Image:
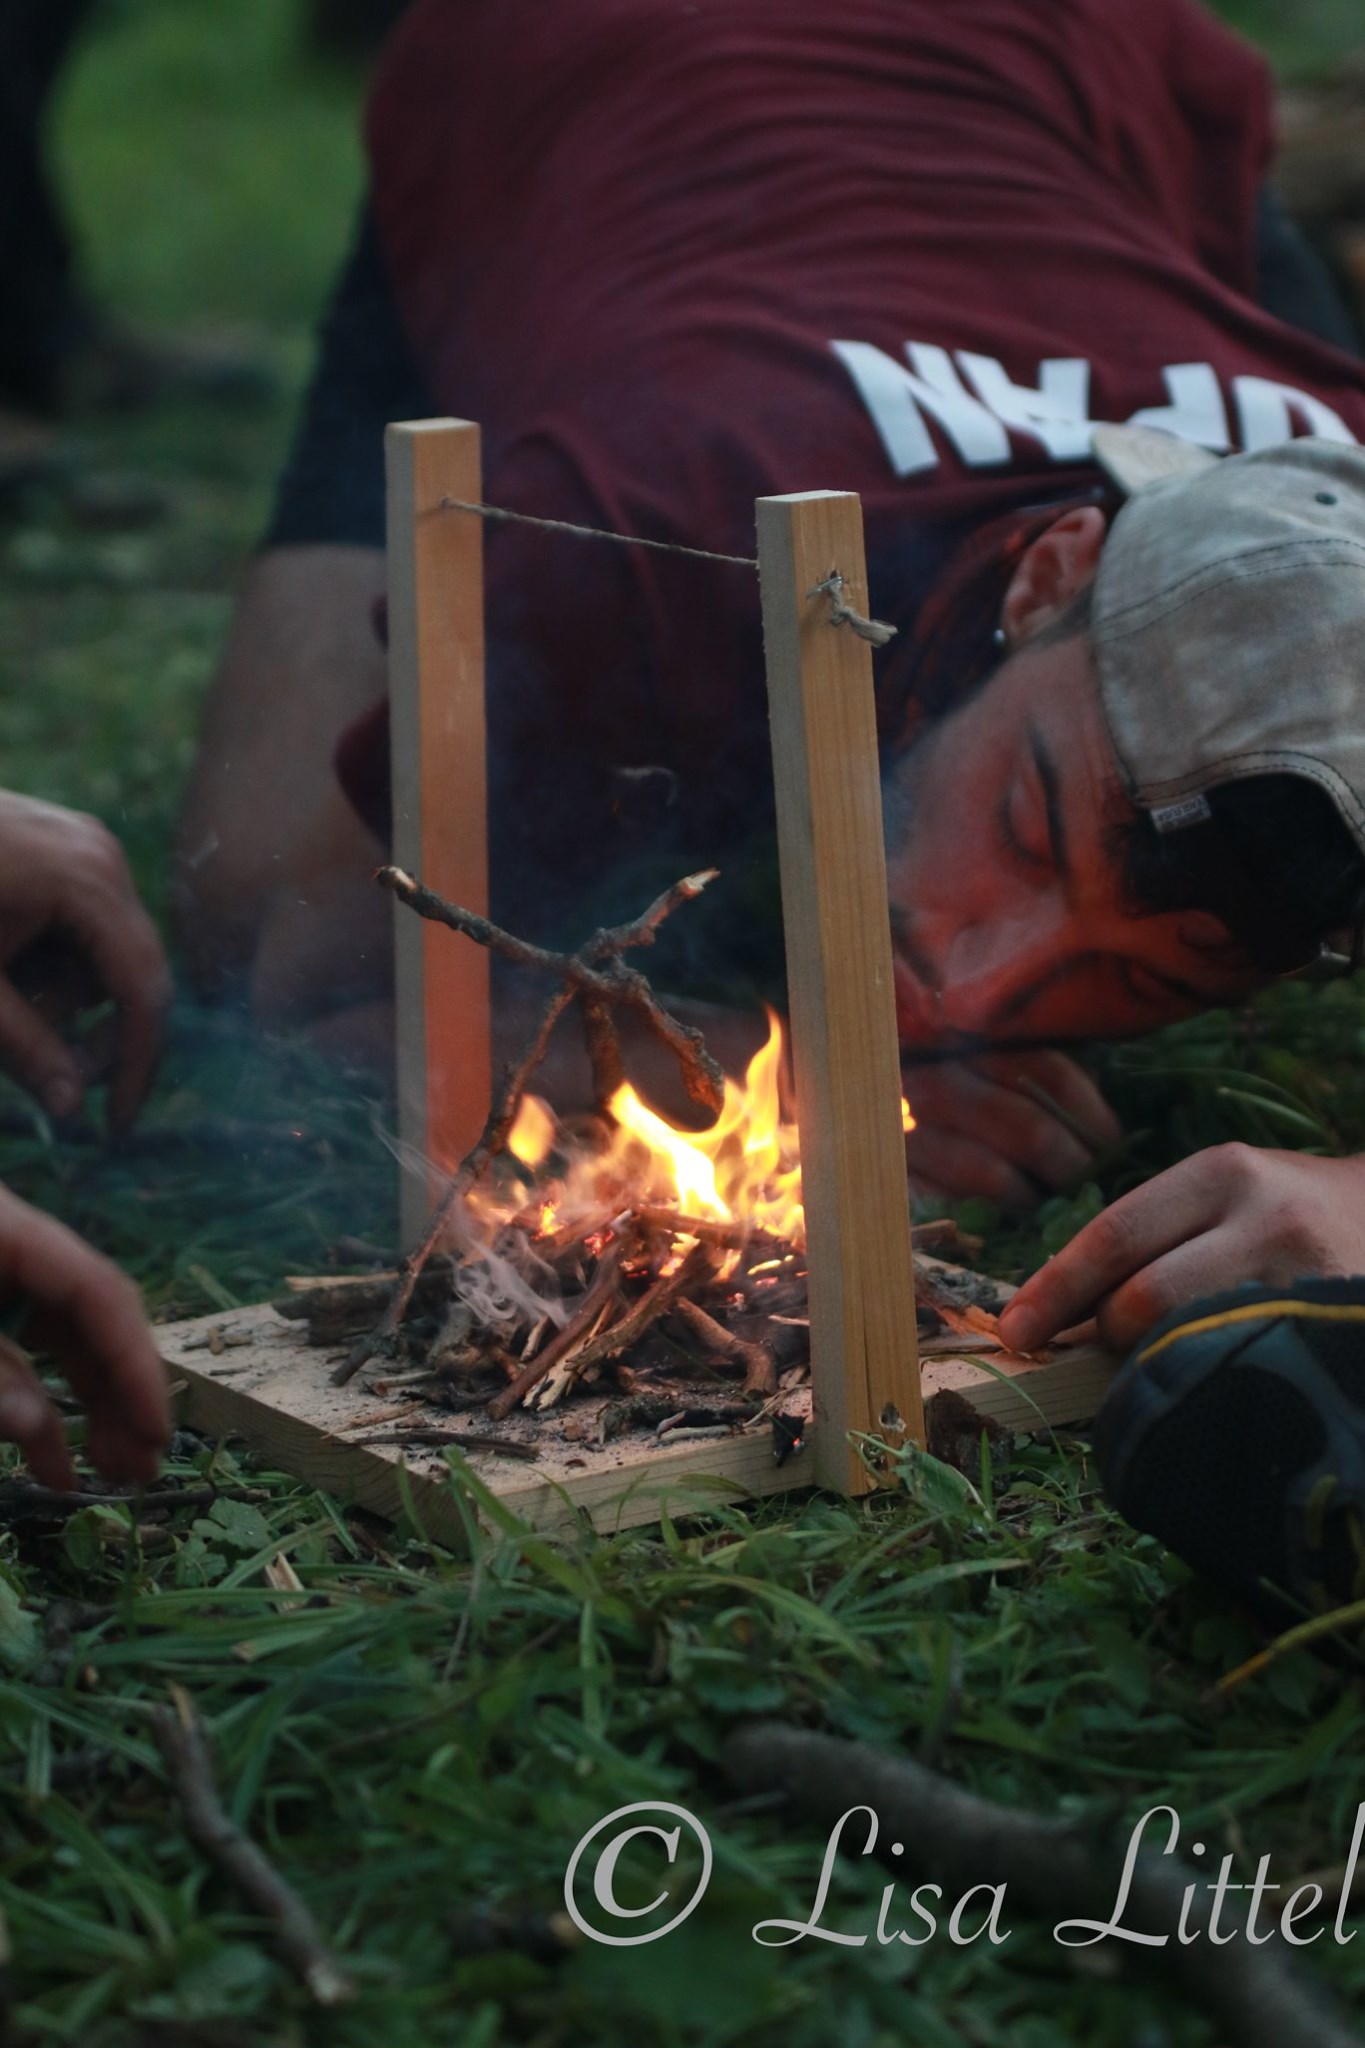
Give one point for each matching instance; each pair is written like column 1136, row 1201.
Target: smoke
column 496, row 1277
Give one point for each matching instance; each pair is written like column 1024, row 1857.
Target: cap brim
column 1133, row 458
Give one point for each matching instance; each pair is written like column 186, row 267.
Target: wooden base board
column 250, row 1374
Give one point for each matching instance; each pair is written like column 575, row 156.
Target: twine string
column 875, row 631
column 622, row 540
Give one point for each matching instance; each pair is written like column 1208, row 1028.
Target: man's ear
column 1052, row 574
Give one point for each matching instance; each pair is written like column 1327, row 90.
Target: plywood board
column 265, row 1384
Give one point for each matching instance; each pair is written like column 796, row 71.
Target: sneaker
column 1236, row 1434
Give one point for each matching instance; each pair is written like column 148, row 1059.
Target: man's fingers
column 1206, row 1265
column 125, row 948
column 36, row 1056
column 950, row 1164
column 1125, row 1238
column 28, row 1419
column 90, row 1315
column 1024, row 1133
column 1066, row 1083
column 1031, row 1136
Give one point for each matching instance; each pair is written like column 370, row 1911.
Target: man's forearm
column 302, row 662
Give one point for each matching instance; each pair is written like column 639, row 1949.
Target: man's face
column 1007, row 908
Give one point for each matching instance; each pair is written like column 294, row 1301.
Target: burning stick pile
column 660, row 1270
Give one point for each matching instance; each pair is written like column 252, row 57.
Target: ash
column 650, row 1326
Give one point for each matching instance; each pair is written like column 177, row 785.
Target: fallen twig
column 655, row 1302
column 584, row 1316
column 1050, row 1867
column 464, row 1439
column 22, row 1500
column 627, row 938
column 501, row 1116
column 730, row 1237
column 604, row 1052
column 946, row 1239
column 760, row 1372
column 1300, row 1637
column 180, row 1737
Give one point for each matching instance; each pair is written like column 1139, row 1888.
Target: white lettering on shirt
column 898, row 401
column 1055, row 411
column 1196, row 411
column 1268, row 413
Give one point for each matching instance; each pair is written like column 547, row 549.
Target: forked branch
column 596, row 976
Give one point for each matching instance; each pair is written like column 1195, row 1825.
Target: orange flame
column 745, row 1169
column 533, row 1133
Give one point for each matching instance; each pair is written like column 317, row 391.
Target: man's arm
column 302, row 662
column 264, row 828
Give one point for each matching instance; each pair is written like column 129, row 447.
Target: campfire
column 588, row 1293
column 658, row 1269
column 616, row 1253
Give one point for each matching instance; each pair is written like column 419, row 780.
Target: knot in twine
column 876, row 631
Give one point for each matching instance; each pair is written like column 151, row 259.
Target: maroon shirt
column 677, row 254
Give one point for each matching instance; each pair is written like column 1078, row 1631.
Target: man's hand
column 73, row 932
column 1008, row 1126
column 88, row 1316
column 1222, row 1217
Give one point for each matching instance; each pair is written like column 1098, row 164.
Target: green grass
column 1302, row 38
column 211, row 163
column 425, row 1735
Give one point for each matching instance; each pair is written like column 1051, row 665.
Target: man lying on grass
column 674, row 259
column 73, row 934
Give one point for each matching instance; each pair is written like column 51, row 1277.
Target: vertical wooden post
column 440, row 827
column 864, row 1354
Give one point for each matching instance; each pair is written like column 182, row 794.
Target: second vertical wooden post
column 864, row 1354
column 440, row 822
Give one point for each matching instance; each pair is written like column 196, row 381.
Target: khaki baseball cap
column 1229, row 620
